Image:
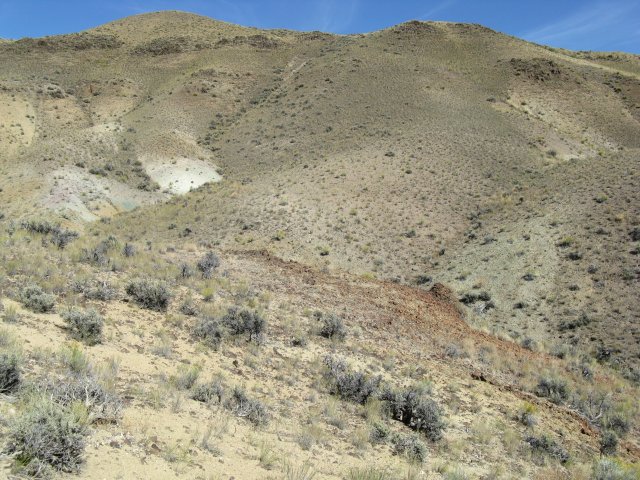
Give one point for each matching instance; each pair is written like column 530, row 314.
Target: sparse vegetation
column 246, row 407
column 546, row 445
column 386, row 296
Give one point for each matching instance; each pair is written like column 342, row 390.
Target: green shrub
column 61, row 238
column 609, row 469
column 10, row 314
column 208, row 264
column 100, row 404
column 379, row 433
column 554, row 389
column 608, row 443
column 85, row 326
column 348, row 384
column 128, row 250
column 209, row 392
column 152, row 295
column 239, row 322
column 34, row 298
column 9, row 372
column 368, row 473
column 410, row 446
column 189, row 308
column 186, row 377
column 244, row 406
column 47, row 436
column 416, row 410
column 38, row 226
column 332, row 327
column 210, row 331
column 102, row 291
column 546, row 445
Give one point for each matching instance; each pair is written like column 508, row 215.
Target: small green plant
column 186, row 377
column 368, row 473
column 10, row 314
column 380, row 433
column 303, row 471
column 611, row 469
column 85, row 326
column 75, row 359
column 526, row 414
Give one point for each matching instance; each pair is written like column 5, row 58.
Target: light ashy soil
column 90, row 197
column 180, row 175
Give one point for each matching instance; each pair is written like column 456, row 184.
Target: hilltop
column 465, row 201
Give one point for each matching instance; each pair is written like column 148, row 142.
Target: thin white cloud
column 335, row 15
column 428, row 15
column 594, row 18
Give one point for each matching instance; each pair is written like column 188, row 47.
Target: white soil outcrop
column 180, row 175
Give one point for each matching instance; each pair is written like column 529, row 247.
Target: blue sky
column 575, row 24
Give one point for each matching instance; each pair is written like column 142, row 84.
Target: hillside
column 465, row 201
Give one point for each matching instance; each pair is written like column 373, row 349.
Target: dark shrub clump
column 333, row 327
column 209, row 392
column 243, row 406
column 347, row 384
column 546, row 445
column 244, row 321
column 554, row 389
column 209, row 331
column 416, row 410
column 152, row 295
column 9, row 372
column 208, row 264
